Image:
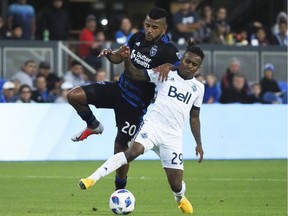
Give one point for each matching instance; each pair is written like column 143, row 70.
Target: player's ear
column 200, row 64
column 165, row 27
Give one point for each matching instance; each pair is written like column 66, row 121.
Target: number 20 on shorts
column 129, row 129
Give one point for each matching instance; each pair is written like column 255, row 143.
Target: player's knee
column 134, row 151
column 71, row 96
column 131, row 155
column 76, row 96
column 119, row 148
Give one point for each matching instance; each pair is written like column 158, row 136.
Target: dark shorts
column 108, row 95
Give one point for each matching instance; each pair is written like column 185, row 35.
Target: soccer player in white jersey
column 162, row 130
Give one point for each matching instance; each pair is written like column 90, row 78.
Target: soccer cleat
column 86, row 183
column 185, row 206
column 87, row 132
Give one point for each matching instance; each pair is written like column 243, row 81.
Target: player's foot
column 185, row 206
column 87, row 132
column 86, row 183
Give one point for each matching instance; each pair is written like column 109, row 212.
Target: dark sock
column 89, row 118
column 120, row 183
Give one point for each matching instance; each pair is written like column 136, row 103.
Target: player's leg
column 121, row 172
column 178, row 188
column 175, row 177
column 141, row 144
column 128, row 121
column 113, row 163
column 97, row 94
column 78, row 99
column 172, row 160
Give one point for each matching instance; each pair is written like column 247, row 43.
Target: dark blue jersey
column 146, row 55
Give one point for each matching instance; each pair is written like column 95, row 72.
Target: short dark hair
column 195, row 49
column 29, row 61
column 24, row 86
column 158, row 13
column 16, row 26
column 45, row 65
column 239, row 75
column 255, row 84
column 40, row 75
column 74, row 62
column 282, row 21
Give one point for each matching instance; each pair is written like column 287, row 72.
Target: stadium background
column 38, row 134
column 240, row 12
column 241, row 15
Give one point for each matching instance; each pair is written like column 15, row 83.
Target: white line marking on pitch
column 153, row 178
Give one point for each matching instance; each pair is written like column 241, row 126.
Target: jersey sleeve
column 132, row 40
column 172, row 54
column 152, row 76
column 199, row 100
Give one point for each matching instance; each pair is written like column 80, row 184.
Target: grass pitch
column 215, row 188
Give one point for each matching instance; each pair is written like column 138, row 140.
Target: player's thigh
column 146, row 136
column 128, row 120
column 102, row 94
column 171, row 153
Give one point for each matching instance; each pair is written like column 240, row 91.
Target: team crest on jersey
column 144, row 135
column 153, row 51
column 194, row 88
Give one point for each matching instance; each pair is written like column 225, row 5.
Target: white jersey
column 174, row 101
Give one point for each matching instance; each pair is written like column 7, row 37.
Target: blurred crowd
column 205, row 24
column 40, row 84
column 233, row 87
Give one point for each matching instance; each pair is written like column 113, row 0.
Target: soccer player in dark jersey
column 150, row 48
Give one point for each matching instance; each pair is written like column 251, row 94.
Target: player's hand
column 105, row 52
column 163, row 71
column 200, row 152
column 124, row 51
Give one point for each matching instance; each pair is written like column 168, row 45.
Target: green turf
column 215, row 188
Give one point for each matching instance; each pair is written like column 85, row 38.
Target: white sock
column 180, row 195
column 109, row 166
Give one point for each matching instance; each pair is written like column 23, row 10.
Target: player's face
column 190, row 64
column 154, row 29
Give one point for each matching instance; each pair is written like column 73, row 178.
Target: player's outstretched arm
column 195, row 128
column 113, row 56
column 132, row 72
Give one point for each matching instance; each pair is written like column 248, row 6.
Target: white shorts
column 166, row 145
